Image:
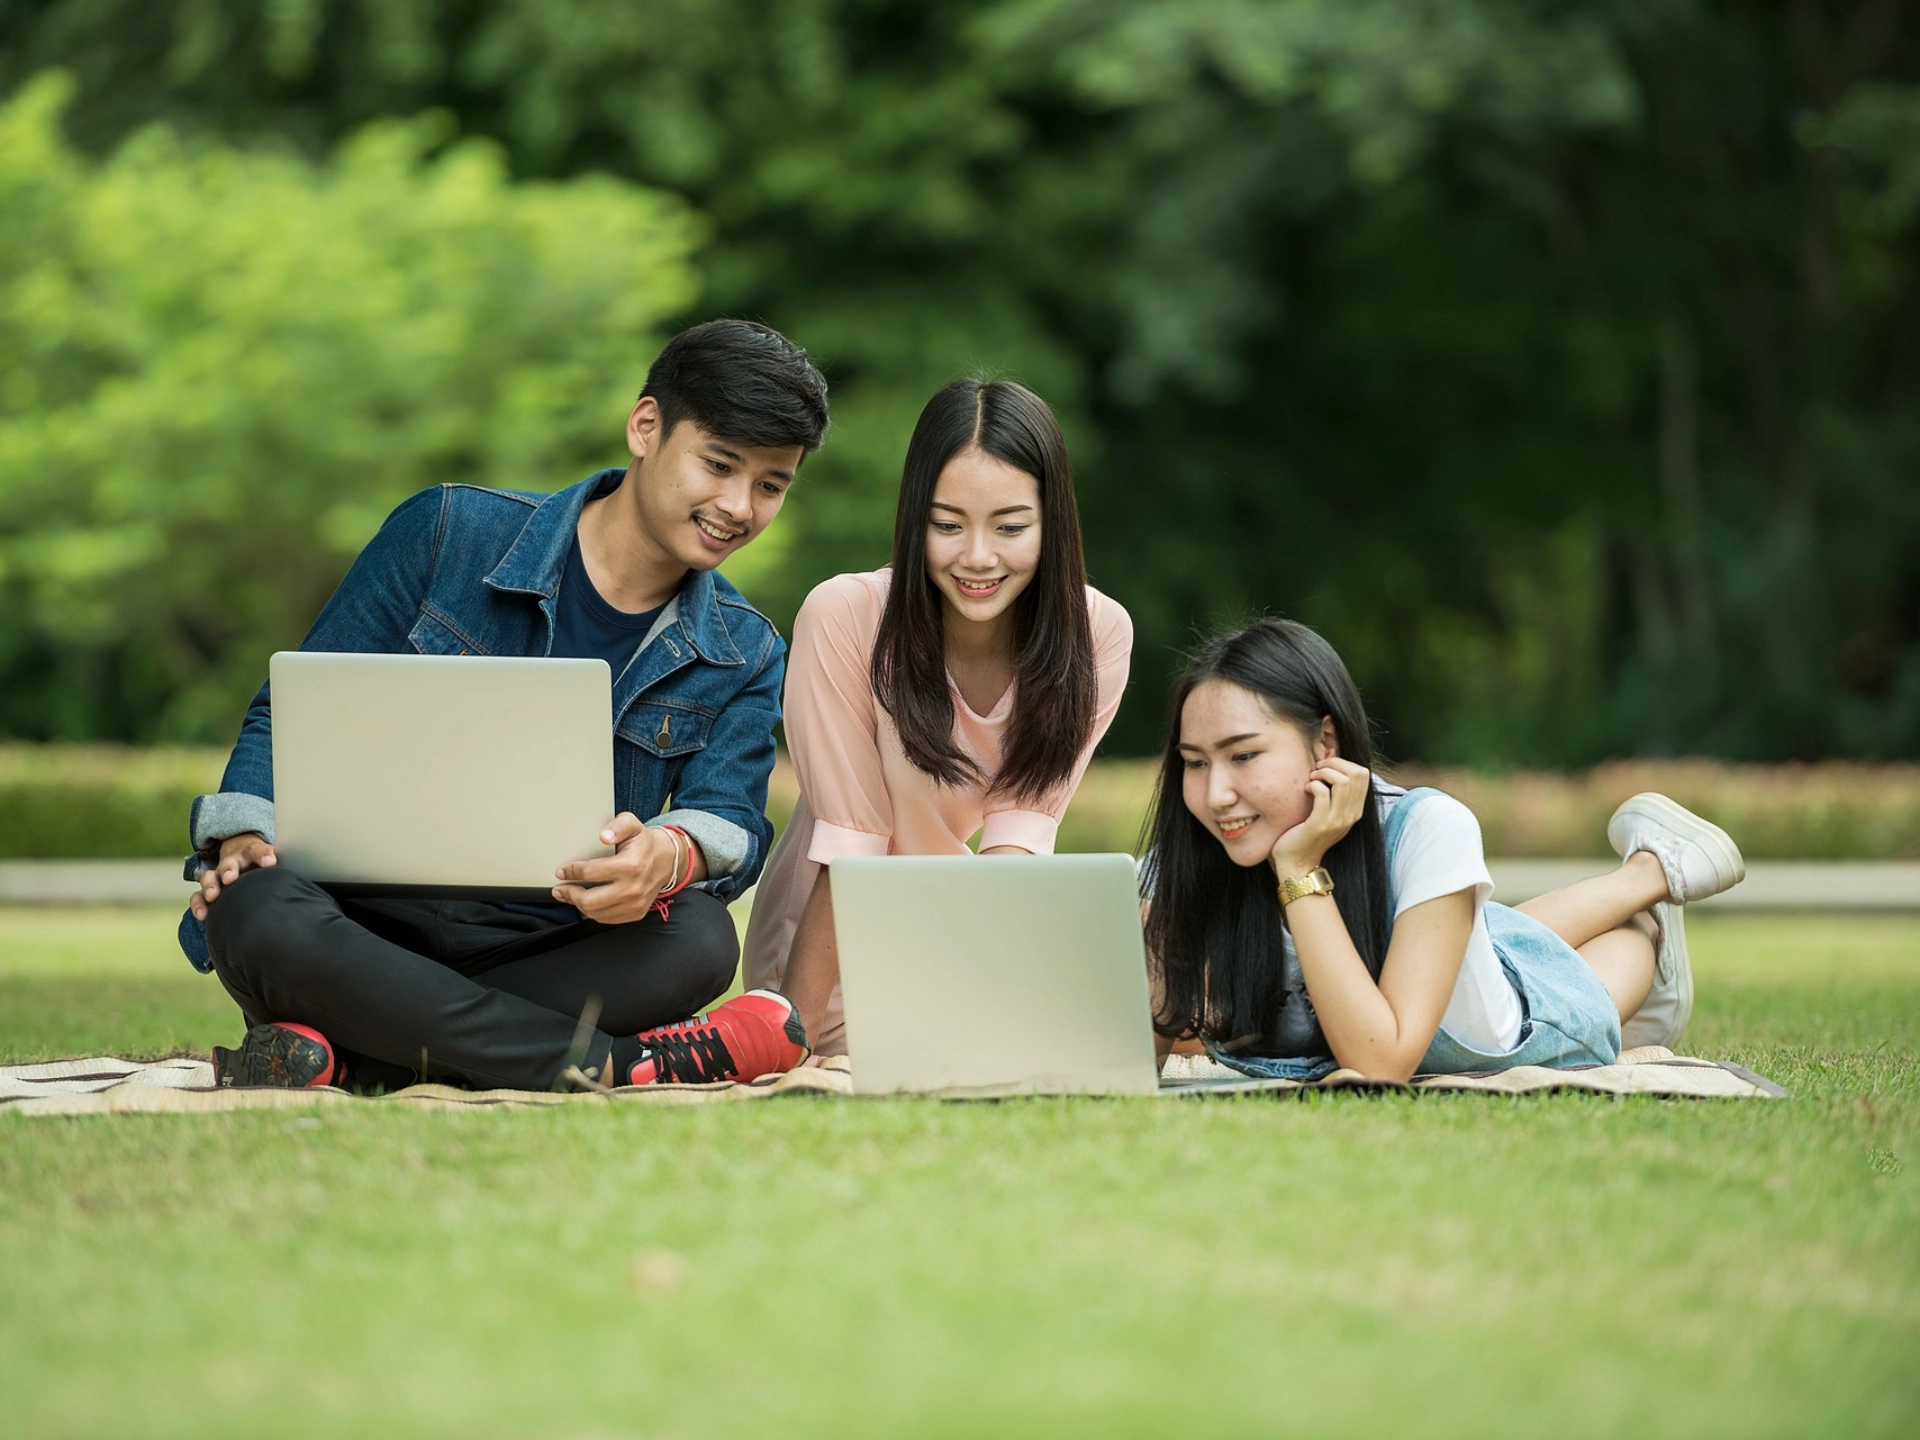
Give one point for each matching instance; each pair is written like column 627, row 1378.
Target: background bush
column 64, row 802
column 1832, row 811
column 219, row 369
column 1583, row 340
column 69, row 801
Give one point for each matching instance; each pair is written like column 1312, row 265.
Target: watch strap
column 1315, row 882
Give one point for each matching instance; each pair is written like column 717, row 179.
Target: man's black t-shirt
column 586, row 627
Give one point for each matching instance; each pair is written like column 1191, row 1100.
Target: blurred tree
column 1558, row 360
column 219, row 370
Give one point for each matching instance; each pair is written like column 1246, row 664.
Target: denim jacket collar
column 537, row 559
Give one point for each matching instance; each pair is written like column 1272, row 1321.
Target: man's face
column 701, row 497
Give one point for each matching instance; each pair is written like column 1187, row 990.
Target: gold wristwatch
column 1315, row 882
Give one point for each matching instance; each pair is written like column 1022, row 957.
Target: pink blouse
column 860, row 795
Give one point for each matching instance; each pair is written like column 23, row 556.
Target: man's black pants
column 459, row 990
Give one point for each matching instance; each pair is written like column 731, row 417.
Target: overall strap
column 1397, row 819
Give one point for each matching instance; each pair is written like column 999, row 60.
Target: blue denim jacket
column 461, row 570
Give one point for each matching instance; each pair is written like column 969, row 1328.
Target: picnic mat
column 1649, row 1070
column 184, row 1085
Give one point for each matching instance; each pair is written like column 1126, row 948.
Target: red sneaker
column 754, row 1034
column 293, row 1057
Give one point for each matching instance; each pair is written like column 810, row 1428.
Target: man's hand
column 622, row 887
column 238, row 855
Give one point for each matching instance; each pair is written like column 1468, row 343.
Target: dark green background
column 1559, row 360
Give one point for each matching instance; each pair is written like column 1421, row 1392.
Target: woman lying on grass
column 1305, row 914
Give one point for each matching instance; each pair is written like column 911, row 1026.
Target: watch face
column 1315, row 882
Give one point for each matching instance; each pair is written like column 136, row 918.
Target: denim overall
column 1567, row 1017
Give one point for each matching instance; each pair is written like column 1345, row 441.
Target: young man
column 381, row 993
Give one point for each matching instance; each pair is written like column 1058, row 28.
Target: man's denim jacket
column 460, row 570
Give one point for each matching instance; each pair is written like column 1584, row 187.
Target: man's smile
column 718, row 534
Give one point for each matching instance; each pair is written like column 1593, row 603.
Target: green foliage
column 220, row 369
column 1558, row 361
column 62, row 802
column 1833, row 811
column 1830, row 811
column 82, row 801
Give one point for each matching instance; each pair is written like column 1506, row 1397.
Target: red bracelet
column 682, row 877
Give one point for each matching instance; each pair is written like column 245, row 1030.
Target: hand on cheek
column 1339, row 797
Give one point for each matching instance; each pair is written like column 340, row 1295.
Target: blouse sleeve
column 1033, row 826
column 831, row 721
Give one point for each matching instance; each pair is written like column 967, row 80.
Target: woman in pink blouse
column 959, row 691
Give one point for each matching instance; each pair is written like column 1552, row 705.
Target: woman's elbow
column 1385, row 1063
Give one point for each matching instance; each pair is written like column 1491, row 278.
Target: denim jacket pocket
column 436, row 633
column 666, row 727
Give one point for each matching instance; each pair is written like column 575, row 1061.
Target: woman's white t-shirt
column 1440, row 854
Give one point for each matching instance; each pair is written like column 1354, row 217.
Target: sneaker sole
column 1729, row 866
column 1677, row 981
column 273, row 1056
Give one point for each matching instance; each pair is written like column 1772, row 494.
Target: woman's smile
column 1247, row 772
column 983, row 536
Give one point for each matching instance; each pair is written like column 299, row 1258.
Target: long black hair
column 1056, row 692
column 1214, row 928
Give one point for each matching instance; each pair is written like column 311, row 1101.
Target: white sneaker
column 1699, row 859
column 1662, row 1017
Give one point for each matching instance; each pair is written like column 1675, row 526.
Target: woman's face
column 1246, row 770
column 983, row 535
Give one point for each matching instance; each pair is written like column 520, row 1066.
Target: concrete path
column 92, row 882
column 1770, row 885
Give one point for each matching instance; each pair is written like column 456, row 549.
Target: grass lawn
column 1342, row 1265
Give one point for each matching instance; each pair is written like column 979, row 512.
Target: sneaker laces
column 688, row 1055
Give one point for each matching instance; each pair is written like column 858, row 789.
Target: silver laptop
column 444, row 775
column 1004, row 976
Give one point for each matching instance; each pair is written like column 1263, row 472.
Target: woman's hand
column 1339, row 798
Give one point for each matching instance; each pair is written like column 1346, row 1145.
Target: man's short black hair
column 742, row 381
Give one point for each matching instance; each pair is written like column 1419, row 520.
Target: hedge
column 61, row 802
column 1827, row 811
column 70, row 801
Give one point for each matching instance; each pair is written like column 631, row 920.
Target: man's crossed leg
column 477, row 994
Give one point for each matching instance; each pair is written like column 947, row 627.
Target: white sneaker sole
column 1729, row 867
column 1662, row 1018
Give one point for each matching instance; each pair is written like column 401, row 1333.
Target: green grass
column 1341, row 1265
